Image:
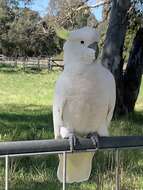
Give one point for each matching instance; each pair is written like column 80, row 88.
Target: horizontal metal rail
column 83, row 144
column 62, row 146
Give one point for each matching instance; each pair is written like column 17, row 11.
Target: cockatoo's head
column 81, row 46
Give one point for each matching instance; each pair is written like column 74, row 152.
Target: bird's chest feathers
column 82, row 84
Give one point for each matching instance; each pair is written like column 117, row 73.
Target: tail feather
column 78, row 167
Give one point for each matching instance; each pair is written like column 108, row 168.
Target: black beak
column 93, row 46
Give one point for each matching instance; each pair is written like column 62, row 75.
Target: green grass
column 26, row 113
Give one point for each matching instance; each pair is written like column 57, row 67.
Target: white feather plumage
column 84, row 100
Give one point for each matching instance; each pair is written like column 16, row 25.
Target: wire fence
column 48, row 147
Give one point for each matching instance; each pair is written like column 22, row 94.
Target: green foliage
column 21, row 33
column 62, row 33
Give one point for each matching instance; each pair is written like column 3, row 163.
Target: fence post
column 24, row 60
column 6, row 172
column 117, row 170
column 38, row 63
column 15, row 61
column 50, row 64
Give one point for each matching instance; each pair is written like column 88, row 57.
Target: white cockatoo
column 84, row 100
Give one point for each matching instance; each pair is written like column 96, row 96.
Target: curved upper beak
column 93, row 46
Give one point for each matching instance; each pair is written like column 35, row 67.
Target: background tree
column 127, row 81
column 21, row 33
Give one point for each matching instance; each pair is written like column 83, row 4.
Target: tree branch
column 94, row 6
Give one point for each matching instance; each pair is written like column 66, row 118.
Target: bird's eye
column 82, row 42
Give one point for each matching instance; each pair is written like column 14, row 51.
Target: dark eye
column 82, row 42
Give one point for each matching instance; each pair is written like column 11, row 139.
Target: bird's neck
column 72, row 59
column 75, row 67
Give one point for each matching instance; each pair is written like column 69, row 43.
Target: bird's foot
column 95, row 138
column 68, row 133
column 72, row 141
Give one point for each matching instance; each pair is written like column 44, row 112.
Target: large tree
column 127, row 81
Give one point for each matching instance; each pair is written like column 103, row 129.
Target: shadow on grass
column 130, row 125
column 37, row 186
column 137, row 118
column 20, row 122
column 14, row 70
column 10, row 69
column 3, row 65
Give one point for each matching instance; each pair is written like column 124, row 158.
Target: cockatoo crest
column 81, row 46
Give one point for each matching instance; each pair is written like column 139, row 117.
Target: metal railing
column 44, row 147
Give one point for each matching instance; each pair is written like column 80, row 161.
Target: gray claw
column 73, row 141
column 95, row 138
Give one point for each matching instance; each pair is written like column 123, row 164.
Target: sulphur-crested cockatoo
column 84, row 100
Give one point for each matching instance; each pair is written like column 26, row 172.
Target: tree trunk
column 113, row 48
column 133, row 73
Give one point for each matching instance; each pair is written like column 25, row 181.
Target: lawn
column 26, row 113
